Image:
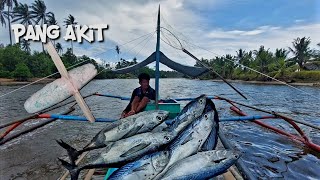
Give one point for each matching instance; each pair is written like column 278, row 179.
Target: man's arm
column 126, row 111
column 143, row 103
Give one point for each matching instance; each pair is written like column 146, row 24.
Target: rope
column 125, row 43
column 149, row 38
column 261, row 73
column 150, row 35
column 22, row 87
column 130, row 50
column 238, row 64
column 41, row 79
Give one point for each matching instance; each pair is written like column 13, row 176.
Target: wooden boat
column 173, row 106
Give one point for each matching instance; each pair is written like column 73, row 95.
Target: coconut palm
column 281, row 65
column 3, row 15
column 70, row 21
column 59, row 48
column 22, row 14
column 39, row 13
column 281, row 53
column 52, row 21
column 240, row 53
column 25, row 45
column 118, row 50
column 301, row 51
column 262, row 59
column 9, row 4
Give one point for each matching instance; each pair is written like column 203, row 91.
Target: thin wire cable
column 22, row 87
column 134, row 56
column 131, row 50
column 243, row 66
column 262, row 74
column 187, row 42
column 124, row 43
column 257, row 101
column 41, row 79
column 144, row 44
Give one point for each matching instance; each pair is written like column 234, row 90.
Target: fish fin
column 72, row 152
column 189, row 138
column 211, row 141
column 135, row 149
column 219, row 160
column 133, row 131
column 170, row 121
column 73, row 169
column 141, row 168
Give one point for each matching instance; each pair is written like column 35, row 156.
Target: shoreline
column 12, row 82
column 313, row 84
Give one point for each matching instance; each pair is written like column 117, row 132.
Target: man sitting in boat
column 140, row 96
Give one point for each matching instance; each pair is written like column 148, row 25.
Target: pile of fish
column 147, row 146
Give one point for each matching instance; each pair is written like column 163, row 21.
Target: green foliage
column 40, row 64
column 10, row 56
column 22, row 72
column 301, row 50
column 306, row 76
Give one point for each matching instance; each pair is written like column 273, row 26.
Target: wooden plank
column 64, row 73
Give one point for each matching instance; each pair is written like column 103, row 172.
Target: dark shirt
column 150, row 93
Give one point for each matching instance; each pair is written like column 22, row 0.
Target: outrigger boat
column 72, row 81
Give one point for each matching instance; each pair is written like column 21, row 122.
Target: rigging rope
column 242, row 66
column 149, row 37
column 181, row 48
column 22, row 87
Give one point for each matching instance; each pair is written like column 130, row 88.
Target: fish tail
column 72, row 152
column 92, row 146
column 73, row 169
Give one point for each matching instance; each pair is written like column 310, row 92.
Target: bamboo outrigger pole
column 64, row 73
column 157, row 74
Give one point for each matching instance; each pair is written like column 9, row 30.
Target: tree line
column 17, row 60
column 303, row 66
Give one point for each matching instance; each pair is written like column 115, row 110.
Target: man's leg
column 143, row 103
column 135, row 104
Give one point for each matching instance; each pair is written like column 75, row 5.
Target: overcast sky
column 220, row 26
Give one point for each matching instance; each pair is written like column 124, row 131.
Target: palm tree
column 134, row 60
column 39, row 13
column 25, row 45
column 70, row 21
column 240, row 53
column 52, row 21
column 301, row 51
column 9, row 4
column 3, row 15
column 281, row 53
column 262, row 59
column 22, row 14
column 59, row 48
column 118, row 50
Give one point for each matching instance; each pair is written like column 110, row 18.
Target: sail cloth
column 188, row 70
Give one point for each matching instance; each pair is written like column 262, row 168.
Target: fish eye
column 206, row 116
column 201, row 101
column 167, row 138
column 159, row 118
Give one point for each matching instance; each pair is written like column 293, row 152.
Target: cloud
column 130, row 20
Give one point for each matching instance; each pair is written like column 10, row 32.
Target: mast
column 157, row 75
